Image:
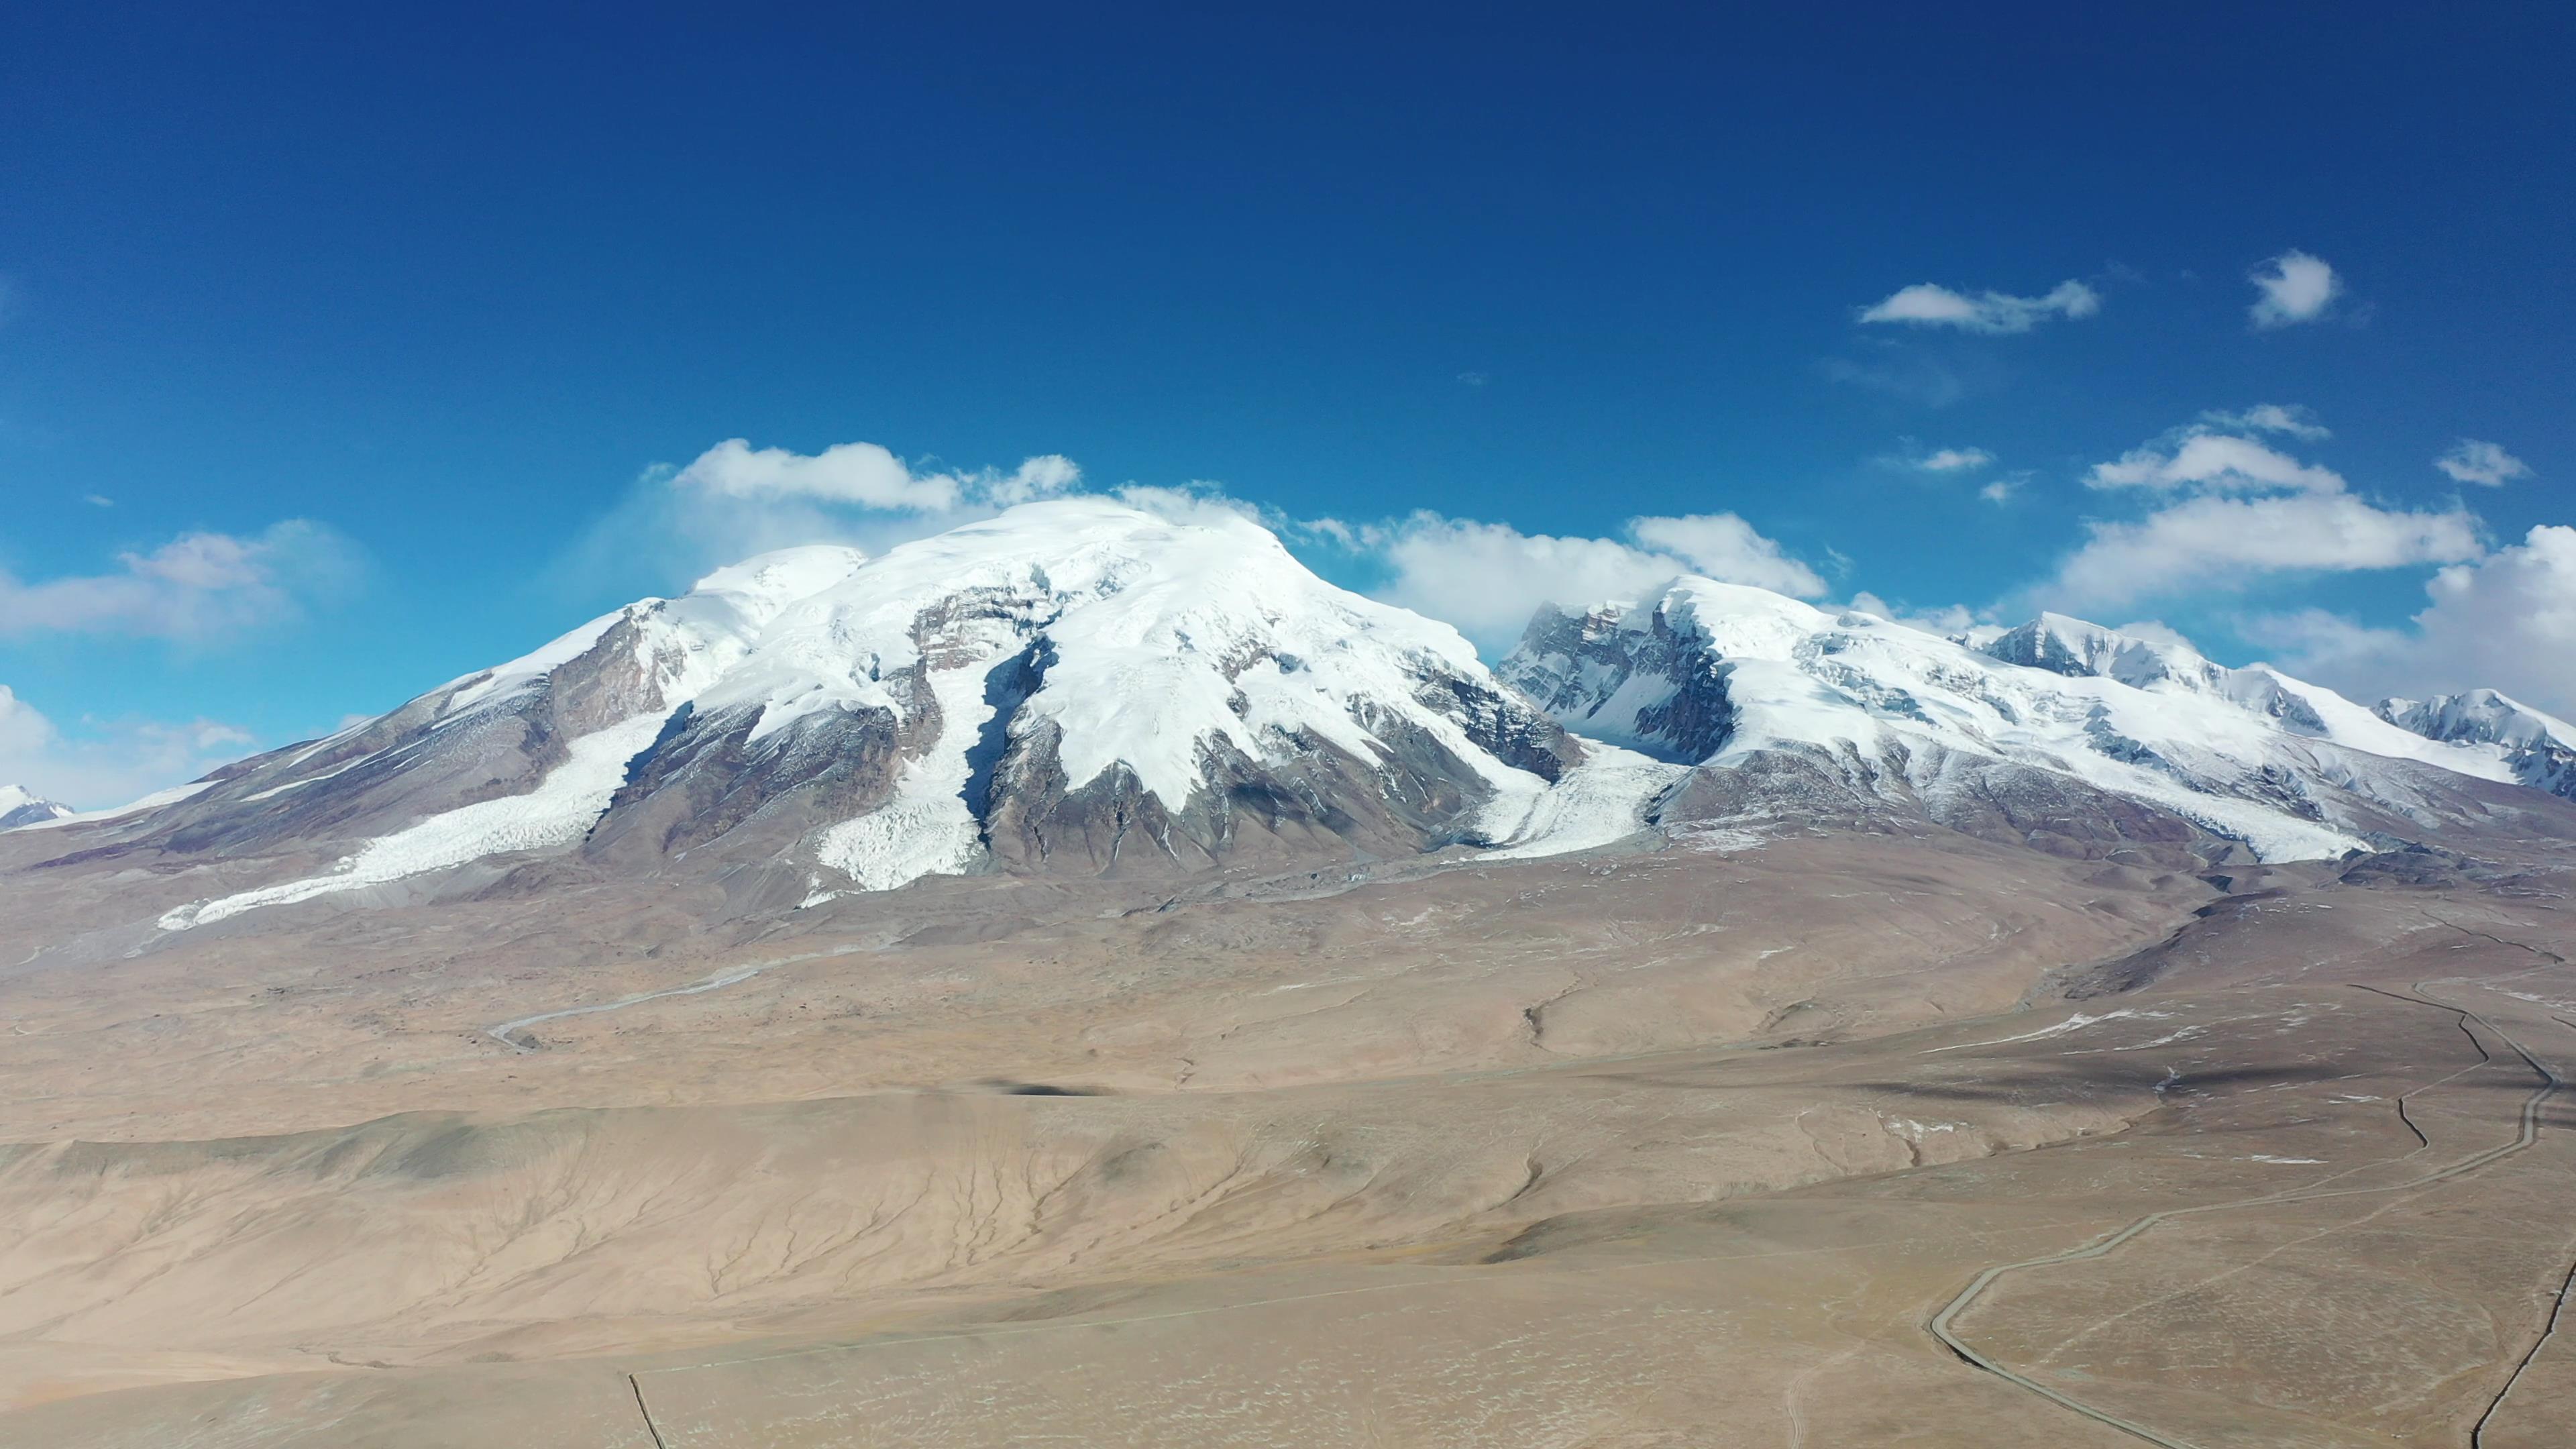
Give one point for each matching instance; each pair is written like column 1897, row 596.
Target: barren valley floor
column 1823, row 1140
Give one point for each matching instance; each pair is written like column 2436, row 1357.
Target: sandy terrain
column 1708, row 1145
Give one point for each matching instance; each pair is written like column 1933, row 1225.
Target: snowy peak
column 1731, row 677
column 2482, row 716
column 22, row 806
column 2062, row 645
column 2539, row 748
column 1075, row 685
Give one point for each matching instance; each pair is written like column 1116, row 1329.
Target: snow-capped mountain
column 1076, row 685
column 1081, row 686
column 2051, row 732
column 22, row 806
column 2540, row 749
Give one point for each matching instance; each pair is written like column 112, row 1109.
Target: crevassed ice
column 925, row 828
column 1599, row 801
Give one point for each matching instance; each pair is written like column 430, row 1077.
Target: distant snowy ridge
column 22, row 806
column 2540, row 749
column 1080, row 686
column 1718, row 674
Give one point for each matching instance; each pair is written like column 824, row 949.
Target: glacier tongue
column 554, row 814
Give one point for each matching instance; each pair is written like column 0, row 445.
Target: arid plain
column 1731, row 1136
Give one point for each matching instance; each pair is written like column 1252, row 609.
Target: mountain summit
column 22, row 806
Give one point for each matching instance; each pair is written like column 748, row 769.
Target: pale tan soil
column 1677, row 1148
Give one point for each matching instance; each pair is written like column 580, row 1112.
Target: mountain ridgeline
column 1083, row 688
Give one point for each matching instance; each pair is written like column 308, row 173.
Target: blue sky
column 341, row 353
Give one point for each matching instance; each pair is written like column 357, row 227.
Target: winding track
column 501, row 1032
column 1941, row 1323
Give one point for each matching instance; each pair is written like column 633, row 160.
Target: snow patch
column 557, row 813
column 2074, row 1023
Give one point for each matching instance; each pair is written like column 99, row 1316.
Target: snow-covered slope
column 22, row 806
column 1076, row 684
column 2539, row 749
column 1725, row 674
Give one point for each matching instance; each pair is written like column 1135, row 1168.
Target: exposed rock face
column 1581, row 667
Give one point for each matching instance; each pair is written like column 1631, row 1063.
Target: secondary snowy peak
column 2539, row 748
column 2482, row 716
column 22, row 806
column 2062, row 645
column 1730, row 676
column 1075, row 684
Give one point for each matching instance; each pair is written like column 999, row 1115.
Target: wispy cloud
column 2215, row 461
column 197, row 586
column 1923, row 381
column 107, row 764
column 2293, row 287
column 1487, row 579
column 2486, row 464
column 735, row 500
column 2290, row 419
column 1943, row 460
column 1927, row 304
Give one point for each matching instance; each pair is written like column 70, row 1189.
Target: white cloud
column 197, row 586
column 22, row 730
column 2212, row 541
column 107, row 765
column 2294, row 287
column 1724, row 547
column 1949, row 621
column 2472, row 461
column 1912, row 457
column 2157, row 631
column 2233, row 511
column 2506, row 623
column 1927, row 305
column 2215, row 461
column 1204, row 502
column 1954, row 460
column 734, row 500
column 2291, row 419
column 1487, row 579
column 2001, row 490
column 866, row 476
